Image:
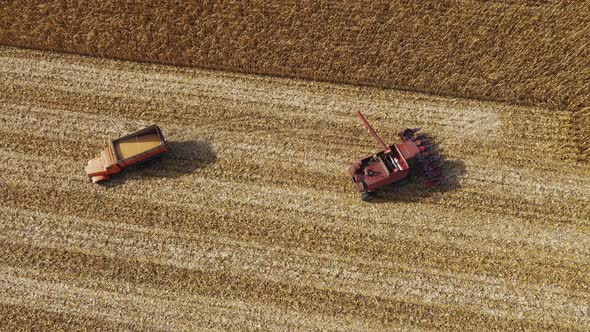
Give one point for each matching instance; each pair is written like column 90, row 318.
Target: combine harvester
column 140, row 146
column 417, row 154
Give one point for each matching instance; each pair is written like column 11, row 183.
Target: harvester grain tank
column 416, row 154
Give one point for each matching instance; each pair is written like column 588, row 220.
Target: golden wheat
column 518, row 51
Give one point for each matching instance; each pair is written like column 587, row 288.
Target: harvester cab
column 415, row 154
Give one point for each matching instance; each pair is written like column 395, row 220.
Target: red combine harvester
column 416, row 154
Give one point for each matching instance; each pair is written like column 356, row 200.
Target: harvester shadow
column 415, row 189
column 183, row 158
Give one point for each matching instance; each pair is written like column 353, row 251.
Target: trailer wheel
column 99, row 178
column 368, row 196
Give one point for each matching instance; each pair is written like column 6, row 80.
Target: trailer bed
column 134, row 146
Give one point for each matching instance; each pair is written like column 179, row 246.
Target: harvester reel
column 428, row 160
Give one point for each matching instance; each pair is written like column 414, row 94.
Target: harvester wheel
column 368, row 196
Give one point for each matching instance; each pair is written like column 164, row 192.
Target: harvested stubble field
column 251, row 223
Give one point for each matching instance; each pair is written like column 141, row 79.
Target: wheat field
column 520, row 51
column 250, row 222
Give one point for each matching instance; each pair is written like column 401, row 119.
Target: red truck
column 134, row 148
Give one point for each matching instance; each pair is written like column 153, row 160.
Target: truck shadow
column 183, row 158
column 415, row 189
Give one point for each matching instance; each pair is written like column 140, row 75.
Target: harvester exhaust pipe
column 372, row 132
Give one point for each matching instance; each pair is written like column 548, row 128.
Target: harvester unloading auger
column 417, row 154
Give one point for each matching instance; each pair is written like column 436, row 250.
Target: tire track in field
column 107, row 239
column 411, row 241
column 144, row 308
